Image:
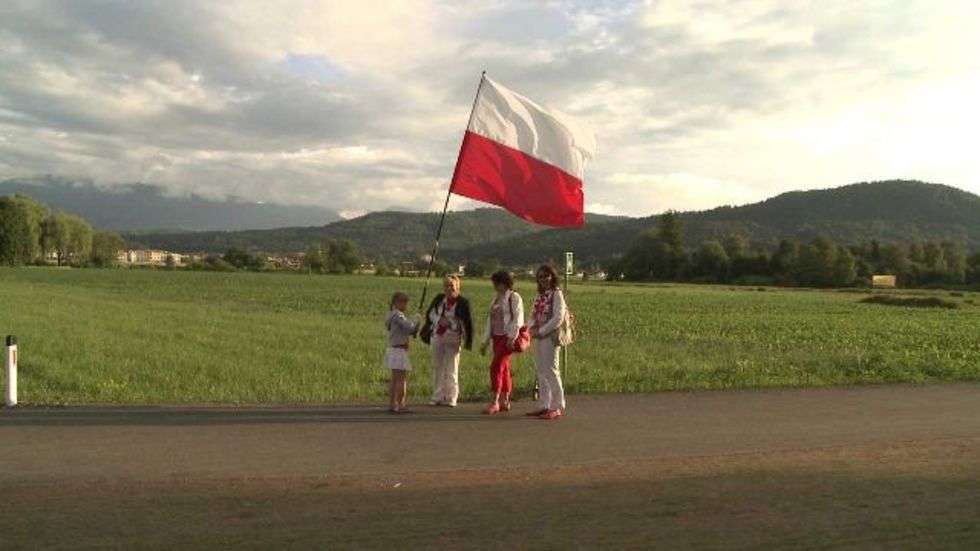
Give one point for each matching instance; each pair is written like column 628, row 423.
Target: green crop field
column 120, row 336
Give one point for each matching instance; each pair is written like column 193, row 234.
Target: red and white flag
column 524, row 157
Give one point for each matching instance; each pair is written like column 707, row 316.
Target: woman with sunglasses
column 548, row 316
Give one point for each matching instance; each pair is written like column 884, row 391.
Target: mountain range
column 389, row 235
column 144, row 207
column 887, row 211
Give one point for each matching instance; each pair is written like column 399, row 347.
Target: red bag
column 522, row 342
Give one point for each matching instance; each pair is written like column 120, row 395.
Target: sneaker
column 435, row 403
column 550, row 415
column 505, row 406
column 537, row 412
column 492, row 409
column 450, row 405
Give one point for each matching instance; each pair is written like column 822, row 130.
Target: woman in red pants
column 503, row 324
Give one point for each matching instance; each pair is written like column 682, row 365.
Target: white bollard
column 11, row 398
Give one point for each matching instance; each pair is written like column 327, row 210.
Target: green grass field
column 119, row 336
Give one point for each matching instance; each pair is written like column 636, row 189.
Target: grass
column 118, row 336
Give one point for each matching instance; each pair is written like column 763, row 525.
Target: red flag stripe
column 532, row 189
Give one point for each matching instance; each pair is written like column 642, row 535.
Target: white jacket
column 513, row 315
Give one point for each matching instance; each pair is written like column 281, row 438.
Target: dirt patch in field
column 912, row 302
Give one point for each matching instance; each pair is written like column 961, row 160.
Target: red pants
column 500, row 381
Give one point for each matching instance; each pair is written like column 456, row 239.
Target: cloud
column 359, row 106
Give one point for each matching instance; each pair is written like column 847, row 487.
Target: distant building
column 288, row 261
column 367, row 269
column 150, row 257
column 408, row 269
column 884, row 281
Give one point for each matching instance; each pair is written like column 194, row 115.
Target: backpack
column 565, row 334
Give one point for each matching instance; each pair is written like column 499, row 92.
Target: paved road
column 188, row 443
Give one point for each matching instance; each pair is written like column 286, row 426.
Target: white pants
column 551, row 395
column 445, row 368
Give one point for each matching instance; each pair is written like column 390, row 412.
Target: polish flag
column 524, row 158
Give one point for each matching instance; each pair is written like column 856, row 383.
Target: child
column 400, row 331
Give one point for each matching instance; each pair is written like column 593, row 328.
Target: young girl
column 401, row 328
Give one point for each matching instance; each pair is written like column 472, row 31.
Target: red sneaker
column 550, row 415
column 537, row 412
column 492, row 409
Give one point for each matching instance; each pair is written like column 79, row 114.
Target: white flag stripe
column 515, row 121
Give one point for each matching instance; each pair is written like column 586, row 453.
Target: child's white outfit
column 400, row 331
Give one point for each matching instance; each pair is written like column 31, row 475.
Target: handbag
column 523, row 340
column 425, row 334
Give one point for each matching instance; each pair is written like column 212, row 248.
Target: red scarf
column 450, row 302
column 542, row 307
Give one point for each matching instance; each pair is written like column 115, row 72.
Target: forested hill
column 386, row 235
column 141, row 207
column 889, row 211
column 892, row 211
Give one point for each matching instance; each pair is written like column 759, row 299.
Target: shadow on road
column 27, row 417
column 923, row 501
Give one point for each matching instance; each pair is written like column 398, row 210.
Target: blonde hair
column 397, row 297
column 453, row 279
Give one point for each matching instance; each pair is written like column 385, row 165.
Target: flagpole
column 449, row 193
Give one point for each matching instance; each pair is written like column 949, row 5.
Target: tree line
column 658, row 254
column 328, row 257
column 30, row 232
column 333, row 256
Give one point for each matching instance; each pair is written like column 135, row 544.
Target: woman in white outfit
column 549, row 314
column 450, row 326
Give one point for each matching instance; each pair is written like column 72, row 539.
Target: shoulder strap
column 436, row 301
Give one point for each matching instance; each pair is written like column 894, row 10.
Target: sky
column 360, row 106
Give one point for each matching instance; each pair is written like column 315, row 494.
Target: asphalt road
column 77, row 444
